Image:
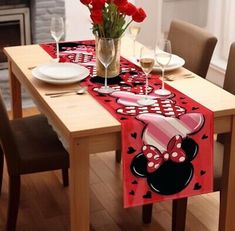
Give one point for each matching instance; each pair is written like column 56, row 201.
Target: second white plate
column 176, row 62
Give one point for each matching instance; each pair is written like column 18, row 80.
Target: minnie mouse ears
column 160, row 129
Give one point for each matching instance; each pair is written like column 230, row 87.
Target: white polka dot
column 156, row 166
column 150, row 164
column 181, row 159
column 177, row 137
column 156, row 157
column 149, row 155
column 174, row 154
column 178, row 145
column 152, row 148
column 144, row 147
column 166, row 156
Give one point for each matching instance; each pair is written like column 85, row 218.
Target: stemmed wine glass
column 57, row 31
column 146, row 62
column 163, row 58
column 105, row 53
column 134, row 31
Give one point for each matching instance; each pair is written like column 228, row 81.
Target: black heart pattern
column 197, row 186
column 204, row 137
column 131, row 150
column 195, row 108
column 202, row 172
column 134, row 135
column 147, row 195
column 132, row 192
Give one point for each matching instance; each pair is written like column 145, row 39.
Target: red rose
column 85, row 2
column 139, row 15
column 96, row 16
column 120, row 2
column 130, row 9
column 98, row 4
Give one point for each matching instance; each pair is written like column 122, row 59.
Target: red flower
column 120, row 2
column 85, row 2
column 96, row 16
column 130, row 9
column 139, row 15
column 98, row 4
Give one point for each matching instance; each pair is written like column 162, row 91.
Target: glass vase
column 114, row 67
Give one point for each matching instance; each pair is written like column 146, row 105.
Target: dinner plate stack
column 60, row 73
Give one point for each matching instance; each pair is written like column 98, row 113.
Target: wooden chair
column 29, row 145
column 194, row 44
column 223, row 141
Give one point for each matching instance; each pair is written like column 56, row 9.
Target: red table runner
column 167, row 148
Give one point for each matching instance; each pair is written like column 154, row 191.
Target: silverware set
column 79, row 91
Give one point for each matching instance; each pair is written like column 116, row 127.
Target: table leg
column 227, row 197
column 15, row 85
column 79, row 184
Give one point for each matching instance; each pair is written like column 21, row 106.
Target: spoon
column 179, row 76
column 80, row 91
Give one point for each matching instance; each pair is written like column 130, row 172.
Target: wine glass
column 163, row 58
column 105, row 53
column 146, row 62
column 134, row 30
column 57, row 31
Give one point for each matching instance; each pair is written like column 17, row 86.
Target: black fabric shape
column 197, row 186
column 114, row 80
column 148, row 195
column 204, row 137
column 171, row 177
column 190, row 148
column 134, row 135
column 131, row 150
column 134, row 182
column 139, row 165
column 132, row 192
column 202, row 172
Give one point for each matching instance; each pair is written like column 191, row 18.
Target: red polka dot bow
column 155, row 158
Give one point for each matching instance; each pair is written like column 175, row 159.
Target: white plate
column 176, row 62
column 38, row 75
column 61, row 71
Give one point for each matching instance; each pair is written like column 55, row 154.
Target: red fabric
column 157, row 126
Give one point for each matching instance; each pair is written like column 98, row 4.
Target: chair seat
column 36, row 153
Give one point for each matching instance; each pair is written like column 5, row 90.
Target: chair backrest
column 229, row 80
column 194, row 44
column 7, row 139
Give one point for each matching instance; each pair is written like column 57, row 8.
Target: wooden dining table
column 86, row 127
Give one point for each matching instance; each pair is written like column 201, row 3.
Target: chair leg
column 179, row 214
column 1, row 168
column 13, row 204
column 147, row 213
column 118, row 156
column 65, row 176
